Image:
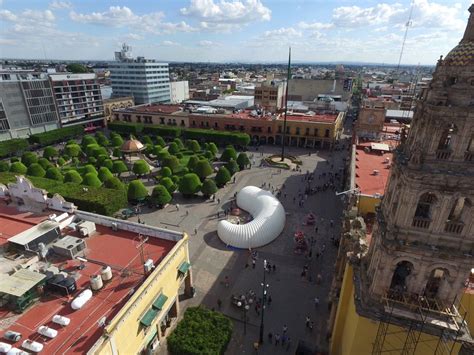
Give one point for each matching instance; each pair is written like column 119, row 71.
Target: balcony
column 453, row 227
column 421, row 222
column 443, row 154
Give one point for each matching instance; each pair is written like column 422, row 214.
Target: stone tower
column 423, row 240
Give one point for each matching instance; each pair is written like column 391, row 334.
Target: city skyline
column 232, row 31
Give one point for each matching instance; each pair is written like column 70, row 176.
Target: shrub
column 91, row 179
column 179, row 143
column 189, row 184
column 169, row 184
column 184, row 171
column 171, row 162
column 136, row 191
column 101, row 158
column 156, row 149
column 117, row 153
column 56, row 135
column 201, row 331
column 119, row 167
column 162, row 155
column 108, row 163
column 146, row 140
column 72, row 176
column 89, row 169
column 103, row 141
column 73, row 150
column 75, row 161
column 114, row 183
column 50, row 152
column 203, row 169
column 4, row 166
column 232, row 166
column 173, row 148
column 161, row 130
column 104, row 174
column 92, row 161
column 209, row 187
column 88, row 140
column 160, row 195
column 36, row 170
column 45, row 163
column 61, row 161
column 12, row 146
column 54, row 174
column 243, row 161
column 18, row 168
column 14, row 159
column 125, row 127
column 29, row 158
column 141, row 167
column 222, row 176
column 166, row 172
column 160, row 141
column 91, row 148
column 175, row 179
column 213, row 148
column 193, row 145
column 116, row 140
column 228, row 154
column 209, row 155
column 192, row 162
column 179, row 155
column 148, row 149
column 219, row 137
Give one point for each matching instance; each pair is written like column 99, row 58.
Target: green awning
column 184, row 267
column 148, row 317
column 159, row 302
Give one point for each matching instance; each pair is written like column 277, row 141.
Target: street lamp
column 245, row 308
column 264, row 298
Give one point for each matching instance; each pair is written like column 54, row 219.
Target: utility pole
column 286, row 106
column 264, row 298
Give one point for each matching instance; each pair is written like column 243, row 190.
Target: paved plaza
column 292, row 295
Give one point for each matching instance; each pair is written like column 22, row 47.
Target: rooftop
column 116, row 248
column 367, row 162
column 155, row 108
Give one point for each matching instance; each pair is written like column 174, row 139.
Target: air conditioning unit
column 114, row 226
column 149, row 265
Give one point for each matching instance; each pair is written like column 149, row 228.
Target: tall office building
column 78, row 99
column 26, row 104
column 145, row 79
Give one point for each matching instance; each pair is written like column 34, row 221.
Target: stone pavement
column 292, row 295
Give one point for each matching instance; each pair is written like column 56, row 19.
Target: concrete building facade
column 146, row 80
column 26, row 104
column 117, row 103
column 270, row 96
column 78, row 99
column 179, row 91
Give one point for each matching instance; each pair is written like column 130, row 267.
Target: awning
column 184, row 267
column 148, row 317
column 159, row 302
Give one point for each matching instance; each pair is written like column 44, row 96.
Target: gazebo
column 132, row 146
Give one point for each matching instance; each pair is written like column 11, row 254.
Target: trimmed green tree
column 45, row 163
column 117, row 153
column 119, row 167
column 87, row 140
column 189, row 184
column 36, row 170
column 4, row 166
column 141, row 167
column 108, row 163
column 18, row 168
column 146, row 140
column 114, row 183
column 160, row 141
column 116, row 140
column 222, row 176
column 171, row 162
column 89, row 169
column 243, row 161
column 50, row 152
column 136, row 191
column 72, row 176
column 209, row 187
column 73, row 150
column 160, row 196
column 192, row 162
column 54, row 174
column 173, row 148
column 92, row 161
column 104, row 174
column 29, row 158
column 228, row 154
column 103, row 141
column 203, row 169
column 169, row 184
column 91, row 179
column 61, row 161
column 232, row 166
column 193, row 145
column 209, row 155
column 213, row 148
column 156, row 149
column 166, row 172
column 179, row 143
column 162, row 155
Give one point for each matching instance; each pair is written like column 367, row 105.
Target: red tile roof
column 366, row 163
column 115, row 248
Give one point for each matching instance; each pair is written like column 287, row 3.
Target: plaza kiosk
column 267, row 223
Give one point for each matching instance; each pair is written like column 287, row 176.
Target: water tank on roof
column 4, row 347
column 106, row 273
column 61, row 320
column 96, row 282
column 47, row 331
column 12, row 336
column 32, row 345
column 16, row 351
column 81, row 300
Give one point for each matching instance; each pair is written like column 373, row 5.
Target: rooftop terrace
column 155, row 108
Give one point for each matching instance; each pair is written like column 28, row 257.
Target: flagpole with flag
column 286, row 106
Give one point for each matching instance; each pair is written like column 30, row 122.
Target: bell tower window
column 445, row 142
column 424, row 210
column 435, row 282
column 399, row 278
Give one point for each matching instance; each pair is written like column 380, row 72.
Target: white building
column 145, row 79
column 26, row 104
column 78, row 98
column 179, row 91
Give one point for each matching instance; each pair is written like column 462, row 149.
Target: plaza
column 292, row 295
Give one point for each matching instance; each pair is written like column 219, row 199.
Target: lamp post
column 245, row 306
column 264, row 297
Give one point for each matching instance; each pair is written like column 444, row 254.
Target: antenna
column 407, row 25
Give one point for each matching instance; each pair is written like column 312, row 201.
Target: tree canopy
column 209, row 187
column 36, row 169
column 228, row 154
column 189, row 184
column 141, row 167
column 136, row 191
column 160, row 195
column 72, row 176
column 77, row 68
column 50, row 152
column 222, row 176
column 203, row 169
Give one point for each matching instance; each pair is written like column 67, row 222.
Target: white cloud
column 315, row 26
column 169, row 43
column 133, row 36
column 235, row 11
column 60, row 5
column 206, row 43
column 282, row 33
column 29, row 18
column 8, row 42
column 6, row 15
column 355, row 16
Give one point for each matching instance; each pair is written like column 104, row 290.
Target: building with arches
column 403, row 289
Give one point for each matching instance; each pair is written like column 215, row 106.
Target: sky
column 233, row 30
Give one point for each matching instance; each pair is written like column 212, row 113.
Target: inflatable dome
column 267, row 224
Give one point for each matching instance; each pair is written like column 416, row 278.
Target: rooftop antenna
column 286, row 105
column 407, row 25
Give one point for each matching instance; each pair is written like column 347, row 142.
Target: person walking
column 219, row 303
column 277, row 339
column 270, row 337
column 283, row 340
column 177, row 207
column 269, row 300
column 253, row 263
column 288, row 344
column 308, row 322
column 316, row 302
column 285, row 329
column 274, row 267
column 226, row 281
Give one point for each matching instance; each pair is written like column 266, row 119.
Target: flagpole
column 286, row 106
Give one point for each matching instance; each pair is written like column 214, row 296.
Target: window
column 399, row 278
column 446, row 137
column 316, row 132
column 269, row 129
column 423, row 209
column 297, row 131
column 215, row 125
column 307, row 131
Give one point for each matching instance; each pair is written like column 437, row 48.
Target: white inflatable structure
column 267, row 224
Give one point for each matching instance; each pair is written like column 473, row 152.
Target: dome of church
column 463, row 54
column 132, row 146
